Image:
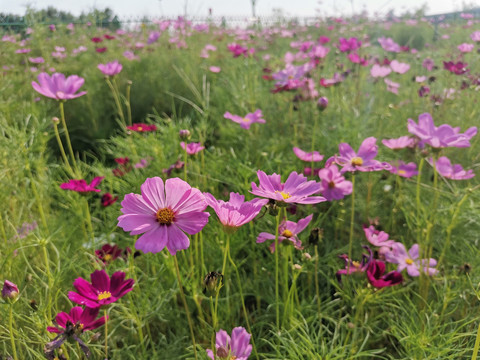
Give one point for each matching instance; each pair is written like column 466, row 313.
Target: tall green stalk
column 67, row 136
column 352, row 218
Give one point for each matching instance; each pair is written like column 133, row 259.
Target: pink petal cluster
column 287, row 230
column 84, row 319
column 333, row 185
column 236, row 347
column 389, row 45
column 249, row 119
column 192, row 148
column 466, row 48
column 399, row 143
column 162, row 213
column 402, row 169
column 307, row 156
column 81, row 186
column 398, row 67
column 111, row 68
column 410, row 260
column 451, row 171
column 296, row 190
column 380, row 71
column 58, row 87
column 392, row 86
column 236, row 212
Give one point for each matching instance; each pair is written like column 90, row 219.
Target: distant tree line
column 17, row 23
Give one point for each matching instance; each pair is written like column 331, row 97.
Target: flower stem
column 184, row 300
column 185, row 155
column 67, row 136
column 106, row 333
column 89, row 224
column 277, row 305
column 477, row 344
column 128, row 104
column 214, row 325
column 10, row 329
column 62, row 150
column 352, row 218
column 116, row 99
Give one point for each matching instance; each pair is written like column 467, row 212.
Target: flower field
column 189, row 191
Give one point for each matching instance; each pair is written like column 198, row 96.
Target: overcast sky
column 157, row 8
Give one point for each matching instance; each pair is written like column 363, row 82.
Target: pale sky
column 157, row 8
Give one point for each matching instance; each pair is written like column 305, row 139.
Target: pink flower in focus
column 81, row 186
column 162, row 213
column 409, row 260
column 307, row 156
column 102, row 291
column 236, row 212
column 378, row 238
column 235, row 348
column 296, row 190
column 377, row 277
column 57, row 87
column 9, row 290
column 249, row 119
column 450, row 171
column 287, row 230
column 82, row 319
column 333, row 184
column 192, row 148
column 399, row 143
column 111, row 68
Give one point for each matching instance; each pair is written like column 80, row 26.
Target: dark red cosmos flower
column 377, row 277
column 70, row 326
column 109, row 37
column 108, row 253
column 102, row 291
column 141, row 127
column 96, row 40
column 108, row 199
column 101, row 50
column 458, row 68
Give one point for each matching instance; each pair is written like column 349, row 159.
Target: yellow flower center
column 107, row 257
column 357, row 161
column 284, row 194
column 245, row 120
column 287, row 233
column 401, row 172
column 356, row 264
column 139, row 128
column 409, row 261
column 165, row 216
column 104, row 295
column 80, row 326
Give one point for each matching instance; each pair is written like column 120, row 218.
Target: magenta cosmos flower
column 162, row 213
column 237, row 211
column 409, row 260
column 141, row 127
column 307, row 156
column 378, row 238
column 377, row 277
column 361, row 161
column 192, row 148
column 9, row 290
column 81, row 186
column 81, row 319
column 236, row 347
column 399, row 143
column 296, row 190
column 333, row 184
column 442, row 136
column 287, row 230
column 111, row 68
column 451, row 171
column 402, row 169
column 102, row 291
column 57, row 87
column 249, row 119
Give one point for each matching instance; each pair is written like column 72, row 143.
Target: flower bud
column 322, row 103
column 184, row 134
column 212, row 282
column 56, row 120
column 9, row 290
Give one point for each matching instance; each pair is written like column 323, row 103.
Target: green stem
column 185, row 155
column 62, row 150
column 89, row 223
column 10, row 328
column 37, row 198
column 352, row 218
column 50, row 280
column 67, row 136
column 419, row 205
column 2, row 229
column 214, row 326
column 106, row 333
column 477, row 344
column 116, row 98
column 277, row 304
column 128, row 104
column 317, row 290
column 184, row 300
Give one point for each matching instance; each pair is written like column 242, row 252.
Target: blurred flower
column 389, row 45
column 322, row 103
column 458, row 68
column 101, row 50
column 399, row 143
column 398, row 67
column 465, row 48
column 111, row 68
column 404, row 170
column 350, row 44
column 236, row 212
column 184, row 134
column 333, row 185
column 9, row 290
column 428, row 64
column 109, row 253
column 214, row 69
column 177, row 165
column 423, row 91
column 451, row 171
column 409, row 260
column 296, row 190
column 235, row 348
column 37, row 60
column 108, row 199
column 249, row 119
column 287, row 230
column 379, row 71
column 475, row 36
column 57, row 87
column 81, row 186
column 102, row 291
column 162, row 212
column 392, row 86
column 307, row 156
column 192, row 148
column 141, row 127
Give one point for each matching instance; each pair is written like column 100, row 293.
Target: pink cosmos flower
column 215, row 69
column 350, row 44
column 475, row 36
column 296, row 190
column 111, row 68
column 378, row 238
column 9, row 290
column 392, row 86
column 361, row 161
column 141, row 127
column 458, row 68
column 442, row 136
column 420, row 79
column 465, row 48
column 389, row 45
column 162, row 213
column 37, row 60
column 451, row 171
column 428, row 64
column 238, row 50
column 399, row 143
column 377, row 277
column 307, row 156
column 57, row 87
column 192, row 148
column 379, row 71
column 82, row 319
column 333, row 185
column 102, row 291
column 404, row 170
column 236, row 212
column 81, row 186
column 398, row 67
column 287, row 230
column 237, row 347
column 249, row 119
column 409, row 260
column 351, row 266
